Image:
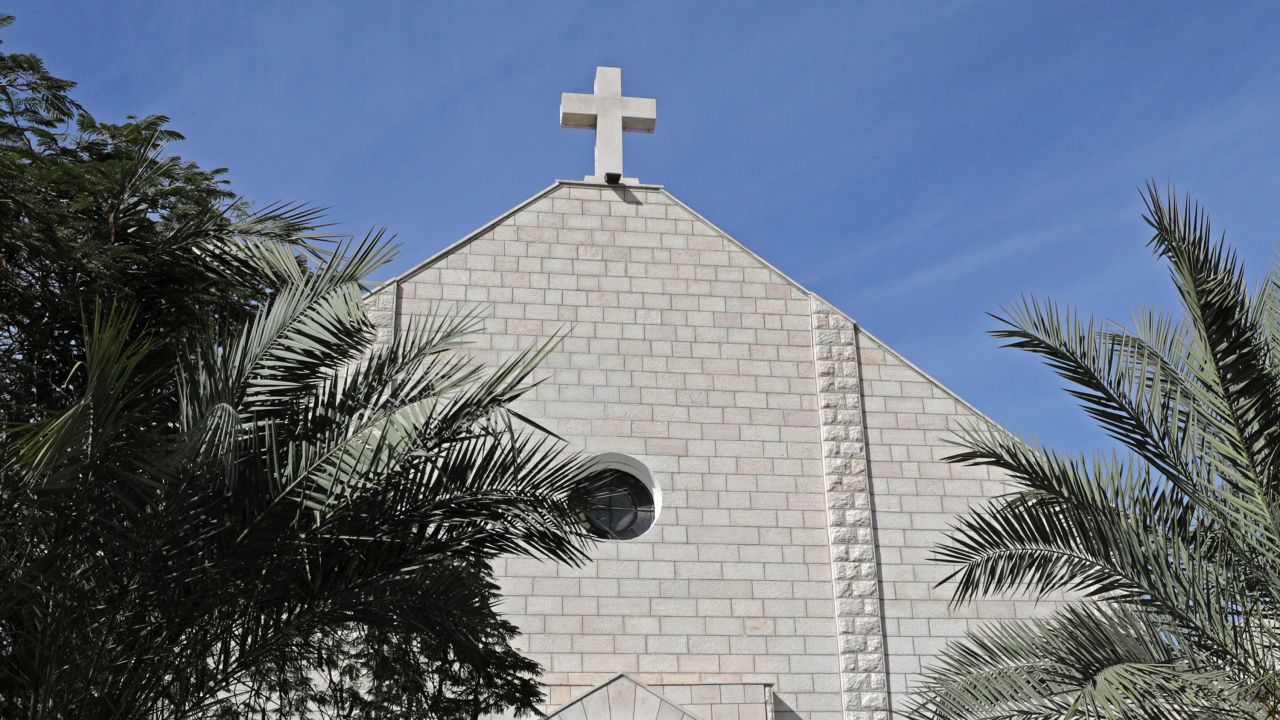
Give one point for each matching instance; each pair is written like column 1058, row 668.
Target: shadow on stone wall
column 783, row 711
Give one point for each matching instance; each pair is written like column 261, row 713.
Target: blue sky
column 917, row 163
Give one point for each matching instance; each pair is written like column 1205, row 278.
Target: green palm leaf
column 1171, row 554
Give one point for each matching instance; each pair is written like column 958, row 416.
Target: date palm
column 308, row 495
column 1172, row 546
column 220, row 495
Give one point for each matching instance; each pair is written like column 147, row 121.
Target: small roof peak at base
column 623, row 697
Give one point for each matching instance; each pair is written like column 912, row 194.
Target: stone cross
column 610, row 114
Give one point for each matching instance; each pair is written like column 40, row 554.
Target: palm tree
column 1171, row 547
column 309, row 521
column 219, row 495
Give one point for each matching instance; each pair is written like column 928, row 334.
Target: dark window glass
column 616, row 505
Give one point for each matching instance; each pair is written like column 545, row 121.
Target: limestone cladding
column 780, row 500
column 911, row 425
column 686, row 352
column 731, row 701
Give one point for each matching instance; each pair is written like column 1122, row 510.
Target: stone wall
column 910, row 420
column 796, row 519
column 728, row 701
column 687, row 353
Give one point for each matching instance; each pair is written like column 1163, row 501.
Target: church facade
column 771, row 557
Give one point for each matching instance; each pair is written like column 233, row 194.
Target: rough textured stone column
column 381, row 307
column 863, row 672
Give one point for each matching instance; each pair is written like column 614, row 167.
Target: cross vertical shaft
column 608, row 93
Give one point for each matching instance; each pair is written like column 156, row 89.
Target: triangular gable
column 622, row 698
column 390, row 304
column 547, row 191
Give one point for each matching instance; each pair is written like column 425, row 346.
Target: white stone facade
column 787, row 573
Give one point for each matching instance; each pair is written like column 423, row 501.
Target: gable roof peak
column 622, row 696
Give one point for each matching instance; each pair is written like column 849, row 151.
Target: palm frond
column 1215, row 295
column 1171, row 554
column 1085, row 663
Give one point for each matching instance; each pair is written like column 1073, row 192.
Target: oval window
column 616, row 504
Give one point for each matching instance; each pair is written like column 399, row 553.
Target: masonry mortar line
column 467, row 239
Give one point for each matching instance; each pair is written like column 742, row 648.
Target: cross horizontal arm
column 639, row 114
column 578, row 110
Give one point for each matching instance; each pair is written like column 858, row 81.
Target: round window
column 616, row 504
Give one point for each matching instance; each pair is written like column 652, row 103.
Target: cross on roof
column 610, row 114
